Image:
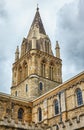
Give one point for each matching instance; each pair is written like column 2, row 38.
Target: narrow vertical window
column 25, row 69
column 43, row 69
column 26, row 87
column 56, row 107
column 40, row 86
column 51, row 72
column 79, row 97
column 20, row 74
column 39, row 114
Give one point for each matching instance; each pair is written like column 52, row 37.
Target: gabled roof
column 37, row 22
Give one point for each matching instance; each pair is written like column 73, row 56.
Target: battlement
column 76, row 122
column 10, row 123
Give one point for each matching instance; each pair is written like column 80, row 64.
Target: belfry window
column 51, row 72
column 56, row 107
column 20, row 113
column 79, row 97
column 43, row 69
column 39, row 114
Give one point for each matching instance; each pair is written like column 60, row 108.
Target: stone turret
column 57, row 50
column 17, row 54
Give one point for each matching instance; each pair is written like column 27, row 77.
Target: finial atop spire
column 37, row 8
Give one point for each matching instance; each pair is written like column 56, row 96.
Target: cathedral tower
column 36, row 70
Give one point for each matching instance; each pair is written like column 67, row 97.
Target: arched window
column 79, row 97
column 56, row 107
column 51, row 72
column 39, row 114
column 43, row 66
column 40, row 86
column 20, row 113
column 43, row 69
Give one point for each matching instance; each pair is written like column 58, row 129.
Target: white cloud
column 71, row 34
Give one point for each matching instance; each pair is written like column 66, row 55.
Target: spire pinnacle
column 17, row 53
column 17, row 49
column 57, row 50
column 57, row 44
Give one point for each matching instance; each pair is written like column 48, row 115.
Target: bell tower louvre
column 36, row 70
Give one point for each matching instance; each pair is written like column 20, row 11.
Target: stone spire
column 37, row 24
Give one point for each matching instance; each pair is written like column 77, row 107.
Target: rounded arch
column 20, row 113
column 56, row 106
column 39, row 114
column 78, row 96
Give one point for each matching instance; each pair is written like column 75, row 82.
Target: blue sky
column 63, row 21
